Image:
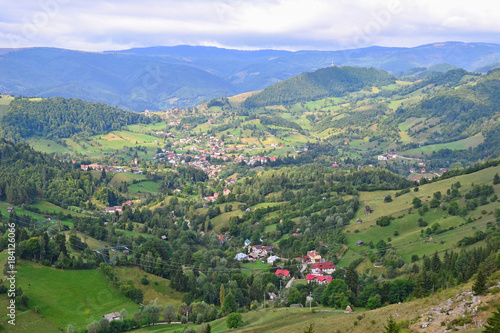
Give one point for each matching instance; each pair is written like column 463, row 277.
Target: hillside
column 327, row 82
column 165, row 77
column 56, row 118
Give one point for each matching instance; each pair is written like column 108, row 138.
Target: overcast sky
column 250, row 24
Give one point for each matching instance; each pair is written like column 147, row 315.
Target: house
column 368, row 210
column 272, row 296
column 335, row 165
column 382, row 158
column 112, row 316
column 272, row 259
column 226, row 191
column 318, row 279
column 282, row 272
column 360, row 243
column 314, row 256
column 240, row 257
column 247, row 242
column 10, row 209
column 323, row 268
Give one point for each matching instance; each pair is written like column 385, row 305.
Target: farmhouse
column 112, row 316
column 10, row 209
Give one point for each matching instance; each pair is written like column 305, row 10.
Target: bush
column 234, row 320
column 145, row 281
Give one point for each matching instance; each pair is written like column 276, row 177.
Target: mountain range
column 180, row 76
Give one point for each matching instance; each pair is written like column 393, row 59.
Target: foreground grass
column 70, row 297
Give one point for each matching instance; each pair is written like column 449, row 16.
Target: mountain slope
column 327, row 82
column 164, row 77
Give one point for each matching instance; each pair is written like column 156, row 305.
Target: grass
column 145, row 187
column 47, row 146
column 127, row 177
column 470, row 142
column 409, row 240
column 285, row 320
column 26, row 321
column 70, row 297
column 157, row 287
column 257, row 266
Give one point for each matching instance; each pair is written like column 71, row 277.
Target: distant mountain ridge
column 164, row 77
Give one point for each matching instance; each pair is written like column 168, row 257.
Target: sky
column 256, row 24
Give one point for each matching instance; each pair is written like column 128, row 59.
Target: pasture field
column 145, row 187
column 404, row 233
column 470, row 142
column 157, row 287
column 47, row 146
column 75, row 297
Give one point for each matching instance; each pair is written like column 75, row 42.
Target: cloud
column 282, row 24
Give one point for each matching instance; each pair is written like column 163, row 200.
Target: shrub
column 234, row 320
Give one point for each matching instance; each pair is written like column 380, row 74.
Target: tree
column 496, row 179
column 169, row 313
column 493, row 325
column 392, row 326
column 479, row 287
column 388, row 198
column 352, row 280
column 234, row 320
column 123, row 314
column 310, row 328
column 229, row 304
column 294, row 297
column 222, row 295
column 204, row 328
column 417, row 203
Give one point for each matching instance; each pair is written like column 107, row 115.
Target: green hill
column 61, row 118
column 326, row 82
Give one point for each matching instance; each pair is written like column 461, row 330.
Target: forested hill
column 61, row 118
column 462, row 112
column 326, row 82
column 26, row 175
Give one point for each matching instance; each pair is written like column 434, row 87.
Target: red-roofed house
column 282, row 272
column 318, row 279
column 323, row 268
column 314, row 256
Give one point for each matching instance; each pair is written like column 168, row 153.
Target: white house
column 240, row 257
column 272, row 259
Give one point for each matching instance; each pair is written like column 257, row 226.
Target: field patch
column 157, row 287
column 75, row 297
column 470, row 142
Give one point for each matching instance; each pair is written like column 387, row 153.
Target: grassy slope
column 161, row 290
column 287, row 320
column 409, row 242
column 70, row 297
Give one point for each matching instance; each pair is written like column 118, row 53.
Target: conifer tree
column 479, row 287
column 493, row 325
column 496, row 179
column 392, row 326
